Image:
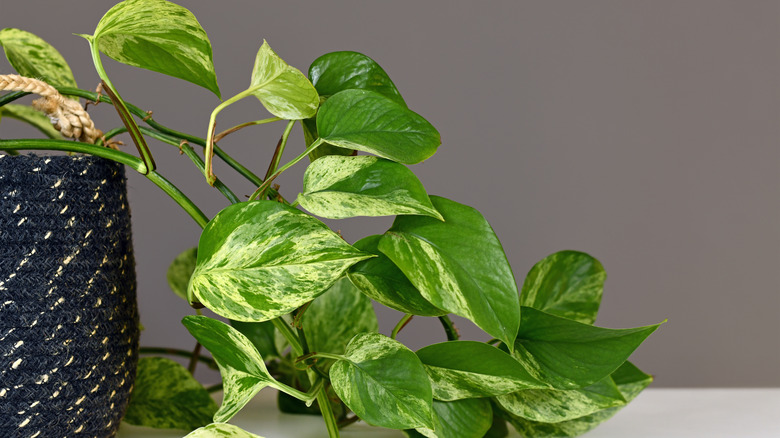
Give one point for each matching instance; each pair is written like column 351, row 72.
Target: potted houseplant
column 298, row 297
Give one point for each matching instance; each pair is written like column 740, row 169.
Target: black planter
column 68, row 314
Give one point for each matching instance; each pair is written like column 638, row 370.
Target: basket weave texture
column 68, row 314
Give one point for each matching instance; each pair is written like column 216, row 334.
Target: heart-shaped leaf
column 458, row 265
column 32, row 117
column 283, row 90
column 221, row 430
column 336, row 316
column 381, row 280
column 160, row 36
column 384, row 383
column 469, row 418
column 467, row 369
column 630, row 381
column 554, row 406
column 180, row 271
column 339, row 71
column 166, row 396
column 370, row 122
column 259, row 260
column 567, row 284
column 33, row 57
column 242, row 368
column 338, row 187
column 568, row 354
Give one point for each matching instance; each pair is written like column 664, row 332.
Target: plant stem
column 401, row 324
column 328, row 356
column 194, row 358
column 449, row 328
column 268, row 181
column 176, row 352
column 327, row 413
column 209, row 154
column 121, row 157
column 10, row 97
column 227, row 132
column 279, row 149
column 288, row 334
column 230, row 161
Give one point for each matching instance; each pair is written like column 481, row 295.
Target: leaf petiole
column 401, row 324
column 317, row 143
column 227, row 132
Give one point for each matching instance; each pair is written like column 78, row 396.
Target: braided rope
column 66, row 115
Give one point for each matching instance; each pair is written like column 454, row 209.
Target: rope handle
column 66, row 115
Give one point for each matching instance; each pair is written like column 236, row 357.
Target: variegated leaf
column 630, row 381
column 221, row 430
column 180, row 271
column 283, row 90
column 32, row 117
column 33, row 57
column 467, row 369
column 458, row 265
column 554, row 406
column 370, row 122
column 242, row 368
column 338, row 187
column 569, row 354
column 160, row 36
column 166, row 396
column 469, row 418
column 259, row 260
column 336, row 316
column 567, row 284
column 384, row 383
column 381, row 280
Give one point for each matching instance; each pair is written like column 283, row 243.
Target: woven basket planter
column 68, row 314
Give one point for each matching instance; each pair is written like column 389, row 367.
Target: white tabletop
column 655, row 413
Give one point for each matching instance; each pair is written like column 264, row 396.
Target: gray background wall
column 644, row 133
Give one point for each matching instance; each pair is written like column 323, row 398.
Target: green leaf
column 381, row 280
column 160, row 36
column 32, row 117
column 467, row 369
column 221, row 430
column 259, row 260
column 337, row 187
column 33, row 57
column 339, row 71
column 261, row 334
column 458, row 265
column 630, row 381
column 567, row 284
column 469, row 418
column 336, row 316
column 180, row 271
column 283, row 90
column 384, row 383
column 310, row 134
column 367, row 121
column 569, row 354
column 554, row 406
column 242, row 368
column 166, row 396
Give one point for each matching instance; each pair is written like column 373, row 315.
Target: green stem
column 210, row 133
column 227, row 132
column 176, row 352
column 113, row 155
column 190, row 153
column 280, row 149
column 327, row 413
column 288, row 334
column 10, row 97
column 306, row 397
column 401, row 324
column 230, row 161
column 268, row 181
column 124, row 113
column 194, row 359
column 449, row 328
column 328, row 356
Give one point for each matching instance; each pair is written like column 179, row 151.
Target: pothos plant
column 298, row 298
